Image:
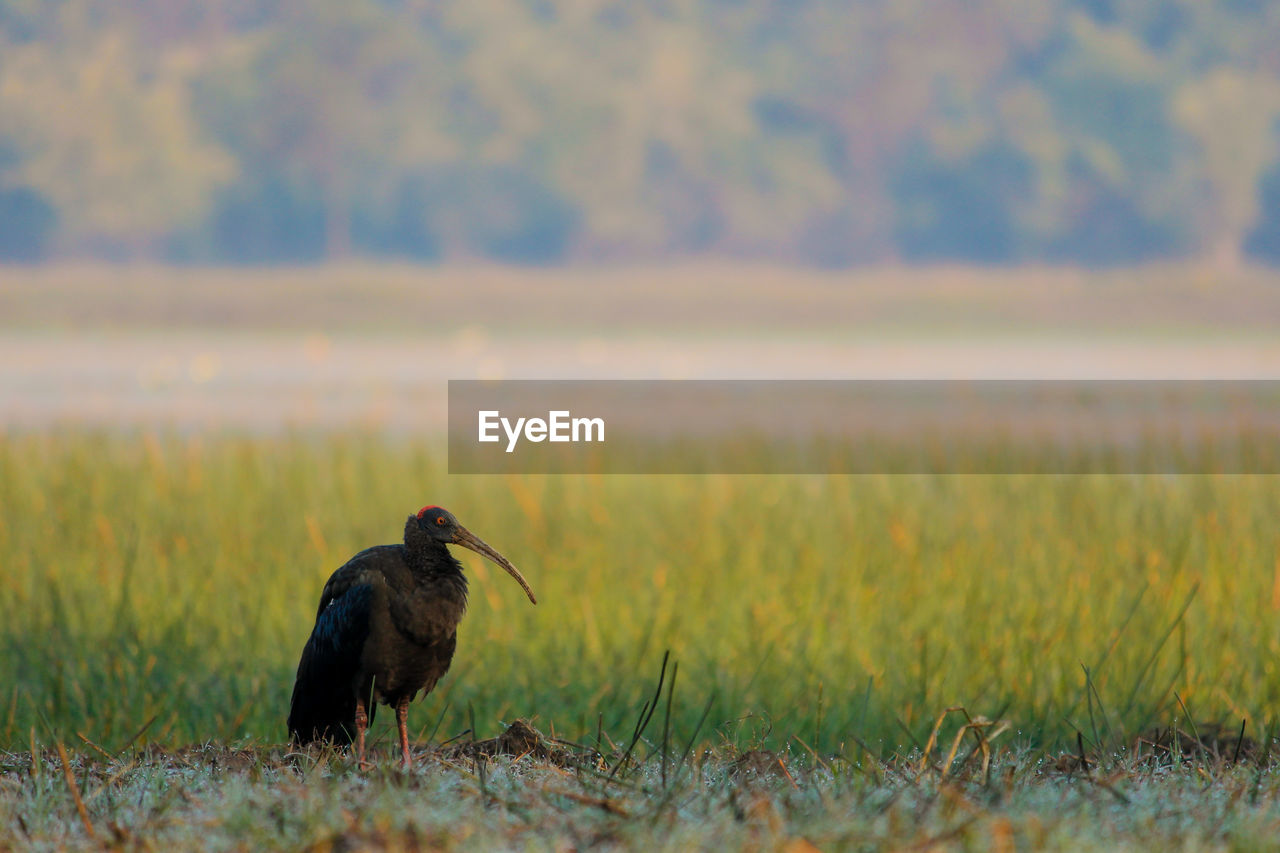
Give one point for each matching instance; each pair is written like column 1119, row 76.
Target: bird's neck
column 429, row 558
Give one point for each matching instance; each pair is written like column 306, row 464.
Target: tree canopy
column 822, row 132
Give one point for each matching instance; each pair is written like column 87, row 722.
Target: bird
column 385, row 630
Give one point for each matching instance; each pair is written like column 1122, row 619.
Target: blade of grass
column 1155, row 654
column 646, row 714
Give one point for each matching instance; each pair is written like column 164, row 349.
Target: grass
column 157, row 591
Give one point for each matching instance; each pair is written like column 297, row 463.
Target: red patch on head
column 426, row 509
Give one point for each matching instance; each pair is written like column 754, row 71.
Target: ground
column 533, row 794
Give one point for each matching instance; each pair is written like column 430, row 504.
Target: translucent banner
column 862, row 427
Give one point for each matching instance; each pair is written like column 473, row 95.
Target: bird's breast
column 412, row 646
column 423, row 617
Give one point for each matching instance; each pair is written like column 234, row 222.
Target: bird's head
column 438, row 523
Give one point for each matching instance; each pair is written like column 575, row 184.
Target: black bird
column 385, row 630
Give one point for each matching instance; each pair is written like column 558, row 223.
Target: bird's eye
column 441, row 521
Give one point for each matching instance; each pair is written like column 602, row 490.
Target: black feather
column 323, row 706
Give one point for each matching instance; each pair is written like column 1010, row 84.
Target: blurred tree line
column 538, row 131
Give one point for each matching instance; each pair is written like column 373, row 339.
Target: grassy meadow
column 176, row 579
column 1106, row 635
column 158, row 588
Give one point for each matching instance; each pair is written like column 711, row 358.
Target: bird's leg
column 402, row 722
column 362, row 723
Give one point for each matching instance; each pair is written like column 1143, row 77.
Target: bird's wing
column 358, row 571
column 323, row 706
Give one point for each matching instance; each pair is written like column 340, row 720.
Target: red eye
column 440, row 521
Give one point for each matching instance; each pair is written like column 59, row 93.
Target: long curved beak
column 470, row 541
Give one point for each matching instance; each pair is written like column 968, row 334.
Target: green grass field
column 157, row 592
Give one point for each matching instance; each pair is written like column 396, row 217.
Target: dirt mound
column 519, row 740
